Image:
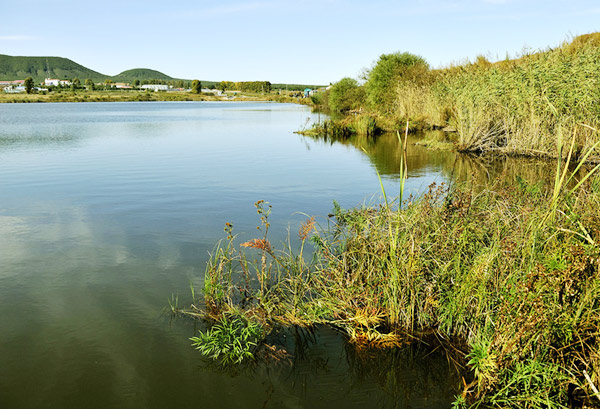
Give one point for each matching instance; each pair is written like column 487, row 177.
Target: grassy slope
column 521, row 106
column 43, row 67
column 39, row 68
column 140, row 74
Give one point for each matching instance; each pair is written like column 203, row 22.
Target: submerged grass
column 509, row 274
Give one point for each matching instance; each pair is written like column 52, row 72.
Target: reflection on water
column 106, row 209
column 385, row 155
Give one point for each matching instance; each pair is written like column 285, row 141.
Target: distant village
column 222, row 88
column 18, row 86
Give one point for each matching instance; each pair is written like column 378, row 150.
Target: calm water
column 106, row 209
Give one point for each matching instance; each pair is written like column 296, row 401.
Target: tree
column 196, row 87
column 136, row 83
column 382, row 79
column 345, row 95
column 89, row 84
column 28, row 85
column 75, row 84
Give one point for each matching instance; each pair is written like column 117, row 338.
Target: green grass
column 514, row 106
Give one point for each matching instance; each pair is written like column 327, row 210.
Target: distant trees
column 345, row 95
column 245, row 86
column 225, row 85
column 136, row 83
column 28, row 85
column 196, row 87
column 89, row 84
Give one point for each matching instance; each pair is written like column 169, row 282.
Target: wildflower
column 260, row 244
column 306, row 228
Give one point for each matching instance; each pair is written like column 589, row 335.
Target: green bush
column 383, row 78
column 345, row 95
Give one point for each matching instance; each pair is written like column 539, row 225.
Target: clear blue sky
column 293, row 41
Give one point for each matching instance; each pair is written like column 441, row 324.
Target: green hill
column 18, row 68
column 141, row 74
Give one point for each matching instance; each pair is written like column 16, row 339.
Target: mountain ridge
column 41, row 67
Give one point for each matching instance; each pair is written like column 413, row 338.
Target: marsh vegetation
column 506, row 275
column 513, row 106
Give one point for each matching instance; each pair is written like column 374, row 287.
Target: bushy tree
column 196, row 87
column 28, row 85
column 89, row 84
column 383, row 78
column 75, row 84
column 345, row 95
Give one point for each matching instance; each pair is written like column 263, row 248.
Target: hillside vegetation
column 140, row 74
column 516, row 106
column 12, row 68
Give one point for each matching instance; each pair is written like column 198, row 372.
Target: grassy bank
column 515, row 106
column 131, row 96
column 508, row 275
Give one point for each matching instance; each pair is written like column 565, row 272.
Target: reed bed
column 513, row 106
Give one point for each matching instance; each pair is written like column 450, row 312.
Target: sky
column 286, row 41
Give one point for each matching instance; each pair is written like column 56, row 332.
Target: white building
column 14, row 90
column 56, row 82
column 211, row 91
column 155, row 87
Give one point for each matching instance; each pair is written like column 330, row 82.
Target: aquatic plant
column 229, row 341
column 510, row 274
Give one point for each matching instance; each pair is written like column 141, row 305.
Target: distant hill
column 141, row 74
column 18, row 68
column 39, row 68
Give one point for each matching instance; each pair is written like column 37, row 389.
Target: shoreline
column 141, row 96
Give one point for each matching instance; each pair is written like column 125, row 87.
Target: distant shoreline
column 141, row 96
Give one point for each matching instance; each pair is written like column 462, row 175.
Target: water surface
column 107, row 209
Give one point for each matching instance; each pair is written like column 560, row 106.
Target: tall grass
column 514, row 106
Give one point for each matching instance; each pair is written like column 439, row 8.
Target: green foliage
column 245, row 86
column 42, row 67
column 225, row 85
column 140, row 74
column 383, row 78
column 230, row 341
column 28, row 85
column 196, row 87
column 295, row 87
column 345, row 95
column 320, row 99
column 89, row 84
column 75, row 84
column 515, row 106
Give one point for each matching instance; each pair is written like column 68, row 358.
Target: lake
column 107, row 210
